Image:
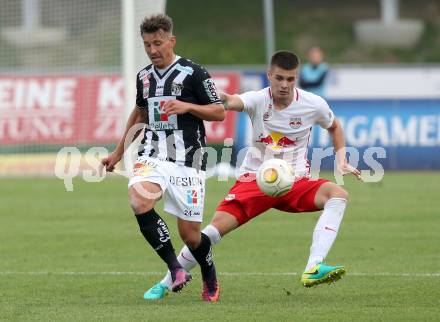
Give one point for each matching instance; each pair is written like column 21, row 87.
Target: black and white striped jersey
column 175, row 138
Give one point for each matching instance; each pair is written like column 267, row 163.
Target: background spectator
column 314, row 72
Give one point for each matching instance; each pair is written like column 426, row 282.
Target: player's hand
column 176, row 107
column 110, row 162
column 345, row 168
column 222, row 96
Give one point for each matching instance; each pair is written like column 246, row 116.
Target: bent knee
column 339, row 192
column 138, row 204
column 192, row 240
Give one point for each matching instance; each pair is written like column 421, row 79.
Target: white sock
column 186, row 259
column 326, row 230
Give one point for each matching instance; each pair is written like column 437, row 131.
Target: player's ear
column 269, row 74
column 173, row 40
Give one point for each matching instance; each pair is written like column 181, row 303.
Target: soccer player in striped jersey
column 174, row 96
column 282, row 118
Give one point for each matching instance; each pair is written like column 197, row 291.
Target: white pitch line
column 380, row 274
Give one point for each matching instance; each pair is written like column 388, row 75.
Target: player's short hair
column 285, row 60
column 155, row 23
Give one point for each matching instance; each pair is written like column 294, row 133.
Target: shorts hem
column 177, row 215
column 236, row 210
column 135, row 180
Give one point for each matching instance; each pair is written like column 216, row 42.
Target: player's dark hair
column 155, row 23
column 285, row 60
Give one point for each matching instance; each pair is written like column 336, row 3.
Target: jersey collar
column 295, row 96
column 166, row 70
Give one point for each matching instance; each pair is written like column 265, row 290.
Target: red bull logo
column 276, row 140
column 295, row 122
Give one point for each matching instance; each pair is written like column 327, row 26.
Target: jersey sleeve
column 250, row 101
column 325, row 116
column 204, row 87
column 140, row 102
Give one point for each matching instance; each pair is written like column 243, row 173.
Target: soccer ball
column 275, row 177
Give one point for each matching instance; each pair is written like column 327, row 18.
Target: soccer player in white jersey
column 174, row 96
column 282, row 118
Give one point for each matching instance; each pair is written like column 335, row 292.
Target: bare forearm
column 338, row 138
column 136, row 117
column 337, row 134
column 232, row 102
column 210, row 112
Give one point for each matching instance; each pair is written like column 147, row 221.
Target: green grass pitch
column 78, row 256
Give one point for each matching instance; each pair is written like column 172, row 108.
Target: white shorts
column 183, row 187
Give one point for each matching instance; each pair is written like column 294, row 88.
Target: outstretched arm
column 337, row 134
column 137, row 116
column 232, row 102
column 209, row 112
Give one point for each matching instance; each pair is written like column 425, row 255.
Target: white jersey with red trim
column 283, row 133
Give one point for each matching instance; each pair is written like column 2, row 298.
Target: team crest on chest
column 268, row 114
column 295, row 122
column 176, row 89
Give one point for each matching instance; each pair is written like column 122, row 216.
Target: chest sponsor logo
column 158, row 111
column 158, row 118
column 230, row 196
column 276, row 140
column 295, row 122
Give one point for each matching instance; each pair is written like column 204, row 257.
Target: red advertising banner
column 216, row 132
column 39, row 109
column 67, row 109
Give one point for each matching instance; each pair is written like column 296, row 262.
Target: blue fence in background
column 408, row 130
